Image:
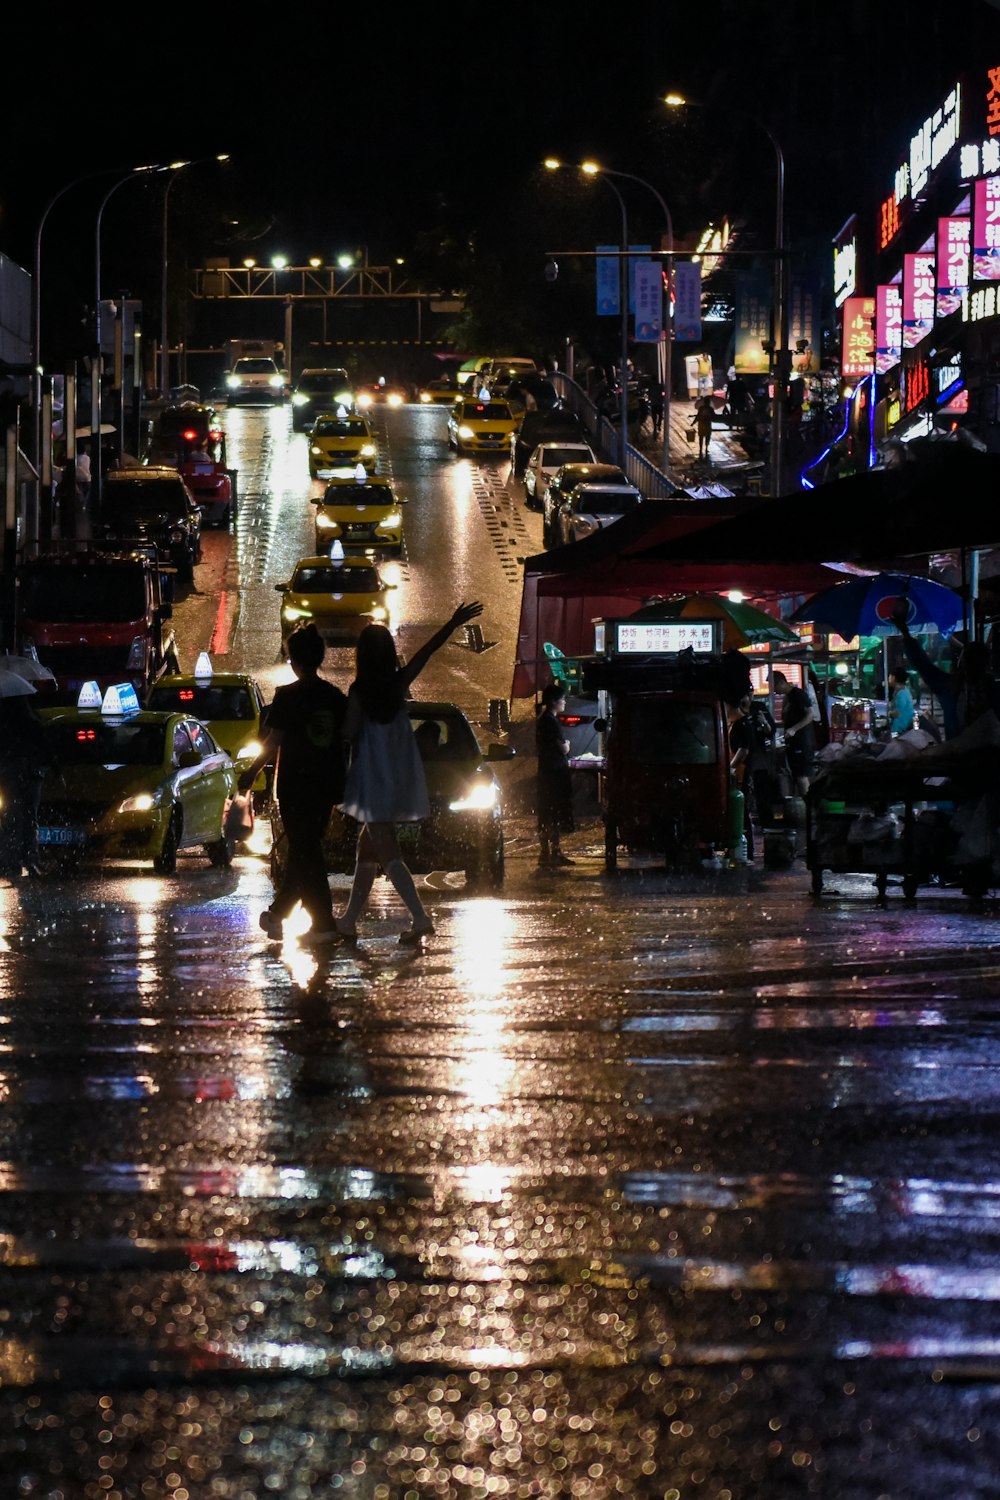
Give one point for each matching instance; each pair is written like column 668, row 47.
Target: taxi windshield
column 336, row 581
column 487, row 411
column 99, row 743
column 357, row 494
column 95, row 592
column 208, row 701
column 327, row 428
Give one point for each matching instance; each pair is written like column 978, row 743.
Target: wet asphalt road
column 626, row 1185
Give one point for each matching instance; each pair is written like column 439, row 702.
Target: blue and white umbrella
column 867, row 606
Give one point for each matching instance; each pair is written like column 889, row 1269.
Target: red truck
column 95, row 614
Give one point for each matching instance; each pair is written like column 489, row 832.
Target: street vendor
column 967, row 693
column 800, row 731
column 901, row 702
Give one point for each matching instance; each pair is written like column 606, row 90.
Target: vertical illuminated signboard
column 986, row 230
column 687, row 302
column 918, row 297
column 648, row 301
column 859, row 337
column 993, row 101
column 953, row 247
column 608, row 281
column 888, row 327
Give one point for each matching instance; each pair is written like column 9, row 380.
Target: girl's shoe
column 416, row 935
column 349, row 934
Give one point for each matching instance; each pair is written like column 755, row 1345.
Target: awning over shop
column 615, row 571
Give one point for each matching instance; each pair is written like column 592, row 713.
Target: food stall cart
column 931, row 816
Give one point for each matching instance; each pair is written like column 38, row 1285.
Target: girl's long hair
column 377, row 681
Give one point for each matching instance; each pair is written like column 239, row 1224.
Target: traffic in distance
column 141, row 758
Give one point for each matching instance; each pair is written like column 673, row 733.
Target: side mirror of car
column 281, row 588
column 188, row 759
column 601, row 726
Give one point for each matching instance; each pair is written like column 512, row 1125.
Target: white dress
column 386, row 782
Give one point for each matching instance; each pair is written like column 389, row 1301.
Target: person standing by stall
column 750, row 737
column 553, row 785
column 901, row 702
column 800, row 733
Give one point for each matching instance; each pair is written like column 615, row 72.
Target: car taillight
column 572, row 719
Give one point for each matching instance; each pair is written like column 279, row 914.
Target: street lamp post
column 594, row 170
column 95, row 374
column 36, row 306
column 779, row 351
column 553, row 165
column 174, row 168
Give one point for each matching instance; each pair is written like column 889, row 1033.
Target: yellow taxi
column 128, row 783
column 338, row 441
column 229, row 704
column 480, row 426
column 441, row 392
column 339, row 595
column 360, row 511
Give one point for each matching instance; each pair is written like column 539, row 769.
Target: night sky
column 368, row 129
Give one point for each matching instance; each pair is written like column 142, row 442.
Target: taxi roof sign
column 360, row 473
column 120, row 699
column 336, row 551
column 89, row 696
column 203, row 666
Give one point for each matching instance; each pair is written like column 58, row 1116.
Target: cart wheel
column 910, row 884
column 610, row 845
column 817, row 882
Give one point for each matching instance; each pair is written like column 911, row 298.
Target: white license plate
column 61, row 836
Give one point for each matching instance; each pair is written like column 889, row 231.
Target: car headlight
column 391, row 522
column 363, row 403
column 300, row 400
column 425, row 399
column 318, row 451
column 233, row 382
column 275, row 382
column 395, row 399
column 249, row 751
column 368, row 450
column 325, row 523
column 379, row 612
column 296, row 612
column 480, row 797
column 139, row 803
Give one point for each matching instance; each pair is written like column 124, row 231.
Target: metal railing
column 651, row 481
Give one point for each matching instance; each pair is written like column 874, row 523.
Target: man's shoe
column 560, row 859
column 318, row 936
column 271, row 925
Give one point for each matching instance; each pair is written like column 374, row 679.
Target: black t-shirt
column 310, row 715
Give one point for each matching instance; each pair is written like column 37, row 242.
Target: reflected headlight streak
column 479, row 798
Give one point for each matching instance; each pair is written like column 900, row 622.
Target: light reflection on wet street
column 620, row 1188
column 625, row 1186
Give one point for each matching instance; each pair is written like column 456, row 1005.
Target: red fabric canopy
column 561, row 606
